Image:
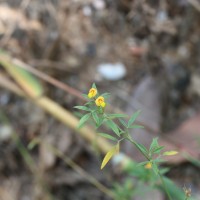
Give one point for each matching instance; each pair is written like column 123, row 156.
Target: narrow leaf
column 94, row 86
column 158, row 149
column 101, row 120
column 136, row 126
column 112, row 116
column 142, row 163
column 33, row 143
column 133, row 118
column 142, row 148
column 95, row 117
column 154, row 144
column 83, row 120
column 113, row 126
column 108, row 136
column 123, row 122
column 109, row 155
column 170, row 153
column 82, row 108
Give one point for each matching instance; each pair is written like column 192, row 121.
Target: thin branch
column 49, row 79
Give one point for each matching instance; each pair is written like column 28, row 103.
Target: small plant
column 187, row 192
column 121, row 125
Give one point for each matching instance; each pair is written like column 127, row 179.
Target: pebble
column 5, row 133
column 87, row 11
column 112, row 71
column 99, row 4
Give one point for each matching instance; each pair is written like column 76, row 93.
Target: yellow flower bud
column 100, row 102
column 148, row 165
column 92, row 93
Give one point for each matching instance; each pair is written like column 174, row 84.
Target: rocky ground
column 145, row 53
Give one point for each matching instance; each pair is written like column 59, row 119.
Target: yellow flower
column 92, row 93
column 148, row 165
column 100, row 102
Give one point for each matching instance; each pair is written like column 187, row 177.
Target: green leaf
column 109, row 155
column 82, row 108
column 113, row 126
column 33, row 143
column 133, row 118
column 112, row 116
column 136, row 126
column 108, row 136
column 123, row 122
column 155, row 168
column 95, row 117
column 158, row 149
column 175, row 192
column 89, row 103
column 164, row 170
column 142, row 163
column 101, row 120
column 142, row 148
column 154, row 144
column 85, row 96
column 25, row 79
column 94, row 86
column 83, row 120
column 159, row 160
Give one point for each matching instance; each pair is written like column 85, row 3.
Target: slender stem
column 164, row 185
column 147, row 157
column 83, row 173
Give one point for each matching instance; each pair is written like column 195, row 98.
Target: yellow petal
column 148, row 165
column 103, row 104
column 90, row 95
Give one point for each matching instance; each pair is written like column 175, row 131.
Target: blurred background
column 145, row 53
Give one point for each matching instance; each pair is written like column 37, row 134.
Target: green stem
column 164, row 185
column 147, row 157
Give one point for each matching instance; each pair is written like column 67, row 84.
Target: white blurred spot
column 112, row 71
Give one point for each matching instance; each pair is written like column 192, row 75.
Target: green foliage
column 123, row 123
column 110, row 137
column 113, row 126
column 146, row 172
column 124, row 191
column 82, row 108
column 133, row 118
column 83, row 120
